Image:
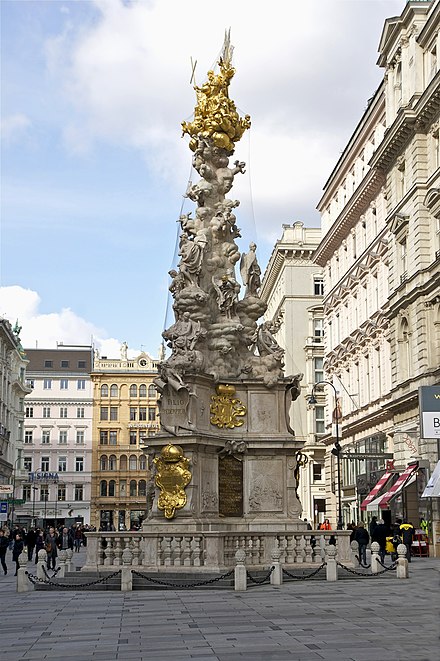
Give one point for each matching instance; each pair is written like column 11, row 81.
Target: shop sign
column 429, row 408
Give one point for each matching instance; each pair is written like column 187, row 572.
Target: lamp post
column 13, row 490
column 336, row 451
column 34, row 488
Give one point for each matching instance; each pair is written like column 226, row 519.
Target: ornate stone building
column 293, row 290
column 125, row 414
column 54, row 483
column 380, row 253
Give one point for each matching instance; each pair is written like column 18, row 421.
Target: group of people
column 388, row 537
column 52, row 540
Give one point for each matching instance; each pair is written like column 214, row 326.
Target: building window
column 80, row 437
column 31, row 383
column 123, row 488
column 142, row 463
column 104, row 390
column 79, row 492
column 112, row 462
column 318, row 330
column 133, row 437
column 46, row 411
column 61, row 493
column 133, row 411
column 28, row 436
column 26, row 493
column 44, row 493
column 45, row 437
column 62, row 464
column 103, row 462
column 48, row 363
column 45, row 464
column 64, row 384
column 81, row 364
column 403, row 258
column 152, row 392
column 318, row 286
column 142, row 488
column 29, row 412
column 63, row 412
column 47, row 384
column 112, row 488
column 113, row 437
column 103, row 488
column 142, row 413
column 80, row 412
column 62, row 438
column 133, row 390
column 142, row 390
column 81, row 384
column 319, row 420
column 27, row 464
column 104, row 413
column 79, row 464
column 151, row 413
column 123, row 462
column 113, row 413
column 103, row 437
column 317, row 472
column 318, row 369
column 132, row 463
column 113, row 390
column 133, row 488
column 64, row 363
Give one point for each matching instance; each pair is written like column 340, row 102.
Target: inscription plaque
column 230, row 486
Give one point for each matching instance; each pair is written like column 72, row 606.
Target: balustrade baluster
column 197, row 552
column 178, row 560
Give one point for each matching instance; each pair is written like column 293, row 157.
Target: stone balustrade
column 213, row 550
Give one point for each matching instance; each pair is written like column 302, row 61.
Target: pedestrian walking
column 39, row 543
column 31, row 537
column 65, row 540
column 4, row 545
column 362, row 537
column 379, row 535
column 17, row 548
column 51, row 548
column 407, row 533
column 78, row 538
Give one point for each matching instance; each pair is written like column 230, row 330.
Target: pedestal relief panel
column 266, row 485
column 230, row 486
column 263, row 412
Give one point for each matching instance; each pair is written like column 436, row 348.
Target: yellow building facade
column 125, row 414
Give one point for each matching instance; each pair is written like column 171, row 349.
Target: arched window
column 113, row 390
column 142, row 390
column 404, row 349
column 112, row 462
column 123, row 462
column 133, row 390
column 112, row 488
column 133, row 488
column 152, row 391
column 103, row 462
column 103, row 488
column 142, row 462
column 142, row 489
column 133, row 462
column 104, row 390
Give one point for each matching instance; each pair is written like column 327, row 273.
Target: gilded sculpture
column 227, row 410
column 172, row 476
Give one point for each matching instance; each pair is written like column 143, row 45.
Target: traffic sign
column 3, row 507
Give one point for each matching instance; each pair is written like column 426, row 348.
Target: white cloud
column 13, row 127
column 45, row 330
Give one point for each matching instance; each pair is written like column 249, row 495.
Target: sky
column 94, row 167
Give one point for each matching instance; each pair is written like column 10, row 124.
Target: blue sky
column 94, row 168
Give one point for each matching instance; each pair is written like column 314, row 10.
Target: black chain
column 392, row 566
column 304, row 578
column 35, row 579
column 361, row 563
column 260, row 581
column 55, row 572
column 168, row 584
column 359, row 573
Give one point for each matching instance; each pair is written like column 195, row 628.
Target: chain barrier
column 304, row 578
column 55, row 572
column 260, row 581
column 361, row 564
column 392, row 566
column 178, row 586
column 363, row 574
column 34, row 580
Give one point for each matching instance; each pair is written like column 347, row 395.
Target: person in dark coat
column 16, row 551
column 30, row 542
column 373, row 524
column 380, row 536
column 65, row 540
column 362, row 537
column 4, row 545
column 39, row 543
column 407, row 534
column 51, row 548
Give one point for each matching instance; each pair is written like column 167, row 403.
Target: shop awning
column 398, row 485
column 432, row 489
column 375, row 490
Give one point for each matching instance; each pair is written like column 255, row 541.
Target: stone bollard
column 276, row 577
column 240, row 581
column 331, row 567
column 402, row 562
column 375, row 557
column 126, row 575
column 41, row 564
column 62, row 560
column 69, row 561
column 23, row 583
column 354, row 553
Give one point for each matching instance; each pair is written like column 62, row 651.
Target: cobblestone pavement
column 365, row 619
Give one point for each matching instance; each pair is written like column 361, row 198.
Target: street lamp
column 336, row 450
column 34, row 488
column 13, row 490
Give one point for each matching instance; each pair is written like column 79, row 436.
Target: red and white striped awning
column 398, row 485
column 375, row 490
